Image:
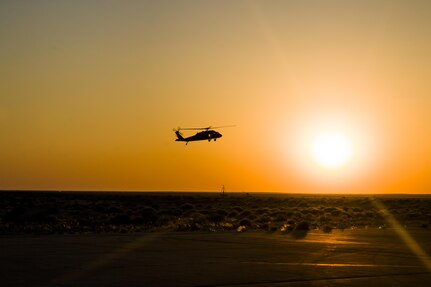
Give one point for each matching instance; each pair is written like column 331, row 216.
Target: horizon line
column 207, row 191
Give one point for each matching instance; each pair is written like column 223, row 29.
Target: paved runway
column 342, row 258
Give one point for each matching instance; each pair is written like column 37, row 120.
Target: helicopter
column 207, row 133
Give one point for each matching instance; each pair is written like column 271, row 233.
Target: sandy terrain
column 341, row 258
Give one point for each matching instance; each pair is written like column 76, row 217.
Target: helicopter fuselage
column 200, row 136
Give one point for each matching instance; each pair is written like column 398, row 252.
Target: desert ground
column 149, row 239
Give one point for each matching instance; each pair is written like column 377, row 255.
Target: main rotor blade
column 207, row 128
column 195, row 128
column 219, row 127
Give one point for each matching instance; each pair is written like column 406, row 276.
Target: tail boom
column 180, row 138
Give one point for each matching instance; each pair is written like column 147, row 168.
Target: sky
column 91, row 90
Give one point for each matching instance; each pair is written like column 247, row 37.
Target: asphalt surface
column 341, row 258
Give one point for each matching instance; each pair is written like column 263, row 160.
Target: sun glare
column 331, row 150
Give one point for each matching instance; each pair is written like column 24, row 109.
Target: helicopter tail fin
column 179, row 136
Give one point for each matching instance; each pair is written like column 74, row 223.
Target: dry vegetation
column 81, row 212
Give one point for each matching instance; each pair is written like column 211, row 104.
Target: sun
column 331, row 150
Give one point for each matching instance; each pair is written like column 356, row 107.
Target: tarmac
column 341, row 258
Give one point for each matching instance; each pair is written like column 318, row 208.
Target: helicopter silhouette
column 207, row 133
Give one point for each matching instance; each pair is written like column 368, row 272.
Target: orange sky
column 90, row 92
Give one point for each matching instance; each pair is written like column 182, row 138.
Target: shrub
column 313, row 211
column 188, row 226
column 327, row 229
column 121, row 219
column 414, row 215
column 99, row 208
column 21, row 215
column 241, row 228
column 286, row 228
column 302, row 204
column 264, row 218
column 113, row 210
column 149, row 215
column 304, row 225
column 245, row 213
column 187, row 206
column 221, row 212
column 214, row 217
column 336, row 212
column 16, row 215
column 245, row 222
column 199, row 218
column 237, row 208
